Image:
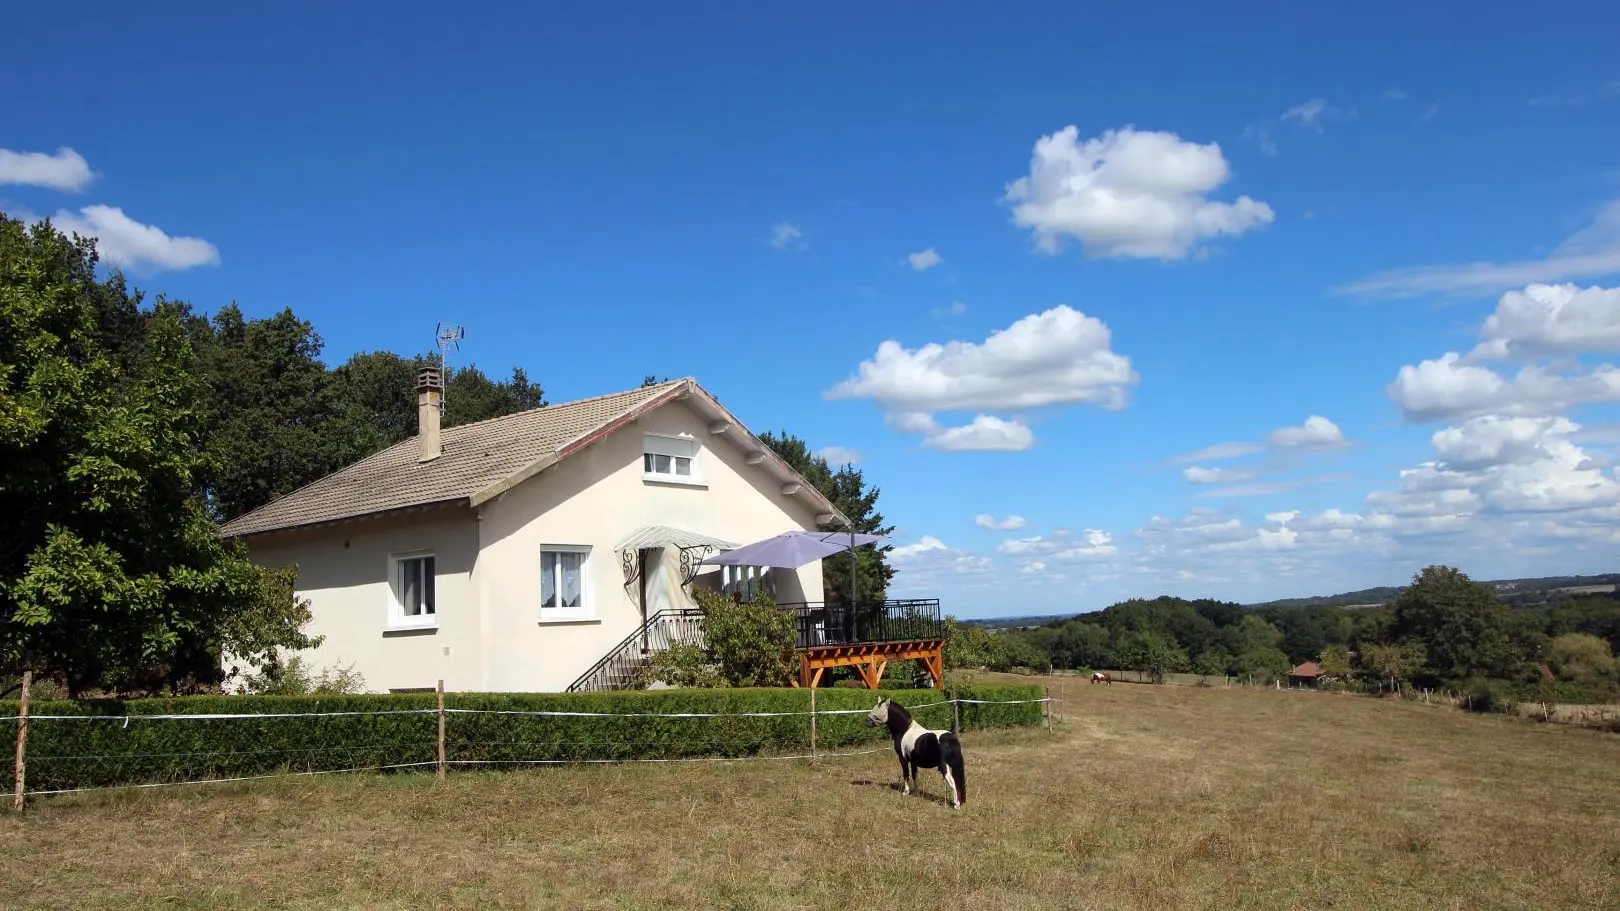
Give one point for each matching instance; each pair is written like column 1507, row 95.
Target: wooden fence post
column 813, row 753
column 956, row 716
column 22, row 741
column 1048, row 704
column 440, row 773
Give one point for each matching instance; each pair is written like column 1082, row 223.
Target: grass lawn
column 1150, row 797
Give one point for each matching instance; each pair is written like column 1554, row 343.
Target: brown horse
column 1100, row 677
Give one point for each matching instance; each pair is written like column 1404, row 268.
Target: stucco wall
column 490, row 634
column 597, row 499
column 343, row 571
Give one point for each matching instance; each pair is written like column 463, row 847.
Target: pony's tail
column 951, row 753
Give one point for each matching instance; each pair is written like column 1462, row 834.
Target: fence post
column 813, row 753
column 22, row 740
column 956, row 716
column 440, row 773
column 1048, row 704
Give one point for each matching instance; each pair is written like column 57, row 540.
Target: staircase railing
column 622, row 667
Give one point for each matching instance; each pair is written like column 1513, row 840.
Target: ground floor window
column 565, row 582
column 414, row 589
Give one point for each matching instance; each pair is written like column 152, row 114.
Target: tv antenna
column 447, row 338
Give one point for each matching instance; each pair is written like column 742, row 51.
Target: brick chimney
column 429, row 403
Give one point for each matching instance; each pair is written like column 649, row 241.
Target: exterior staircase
column 624, row 666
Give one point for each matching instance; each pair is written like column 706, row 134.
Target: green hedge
column 77, row 754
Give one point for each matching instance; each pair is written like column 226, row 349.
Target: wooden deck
column 870, row 659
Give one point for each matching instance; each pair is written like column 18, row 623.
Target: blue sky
column 1135, row 234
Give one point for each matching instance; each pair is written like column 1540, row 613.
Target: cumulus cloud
column 125, row 242
column 991, row 523
column 1057, row 357
column 839, row 455
column 1491, row 440
column 66, row 170
column 1588, row 253
column 1316, row 433
column 784, row 235
column 987, row 433
column 1129, row 194
column 925, row 259
column 1093, row 544
column 1446, row 389
column 1551, row 319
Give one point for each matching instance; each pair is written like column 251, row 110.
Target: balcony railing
column 841, row 623
column 622, row 667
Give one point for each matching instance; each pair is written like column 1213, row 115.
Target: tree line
column 129, row 430
column 1443, row 630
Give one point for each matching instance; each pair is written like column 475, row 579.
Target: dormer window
column 670, row 458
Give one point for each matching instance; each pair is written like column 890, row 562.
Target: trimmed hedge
column 78, row 754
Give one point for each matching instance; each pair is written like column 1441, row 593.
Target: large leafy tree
column 1461, row 627
column 111, row 573
column 846, row 488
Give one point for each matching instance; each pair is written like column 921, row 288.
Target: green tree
column 1461, row 626
column 111, row 574
column 1584, row 659
column 847, row 490
column 1391, row 662
column 967, row 645
column 1335, row 661
column 1151, row 654
column 1212, row 663
column 1263, row 664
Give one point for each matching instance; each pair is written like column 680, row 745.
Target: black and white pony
column 922, row 748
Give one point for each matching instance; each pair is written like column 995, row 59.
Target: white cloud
column 124, row 242
column 1316, row 433
column 1197, row 474
column 991, row 523
column 1129, row 194
column 784, row 235
column 1220, row 451
column 1551, row 319
column 1591, row 252
column 1309, row 114
column 1395, row 94
column 912, row 422
column 1035, row 568
column 1490, row 440
column 1060, row 356
column 839, row 455
column 1263, row 488
column 923, row 545
column 66, row 170
column 1094, row 544
column 926, row 259
column 1446, row 389
column 987, row 433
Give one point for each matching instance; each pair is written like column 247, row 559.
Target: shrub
column 401, row 729
column 750, row 643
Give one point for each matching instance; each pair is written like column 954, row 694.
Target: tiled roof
column 1308, row 669
column 475, row 457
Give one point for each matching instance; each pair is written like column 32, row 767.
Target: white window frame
column 397, row 617
column 586, row 609
column 670, row 449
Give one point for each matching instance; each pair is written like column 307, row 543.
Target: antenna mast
column 447, row 338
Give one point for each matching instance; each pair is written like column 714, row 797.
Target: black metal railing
column 624, row 666
column 843, row 623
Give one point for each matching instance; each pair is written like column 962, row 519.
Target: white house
column 514, row 553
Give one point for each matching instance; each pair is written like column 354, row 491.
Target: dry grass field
column 1150, row 797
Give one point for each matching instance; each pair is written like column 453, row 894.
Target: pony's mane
column 896, row 710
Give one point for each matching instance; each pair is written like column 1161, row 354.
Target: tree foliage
column 747, row 643
column 111, row 573
column 847, row 489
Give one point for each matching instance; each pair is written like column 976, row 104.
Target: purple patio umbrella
column 793, row 549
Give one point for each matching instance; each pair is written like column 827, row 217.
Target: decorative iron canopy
column 693, row 547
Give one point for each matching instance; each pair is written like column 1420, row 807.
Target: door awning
column 664, row 536
column 692, row 546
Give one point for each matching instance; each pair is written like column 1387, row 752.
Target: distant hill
column 1513, row 592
